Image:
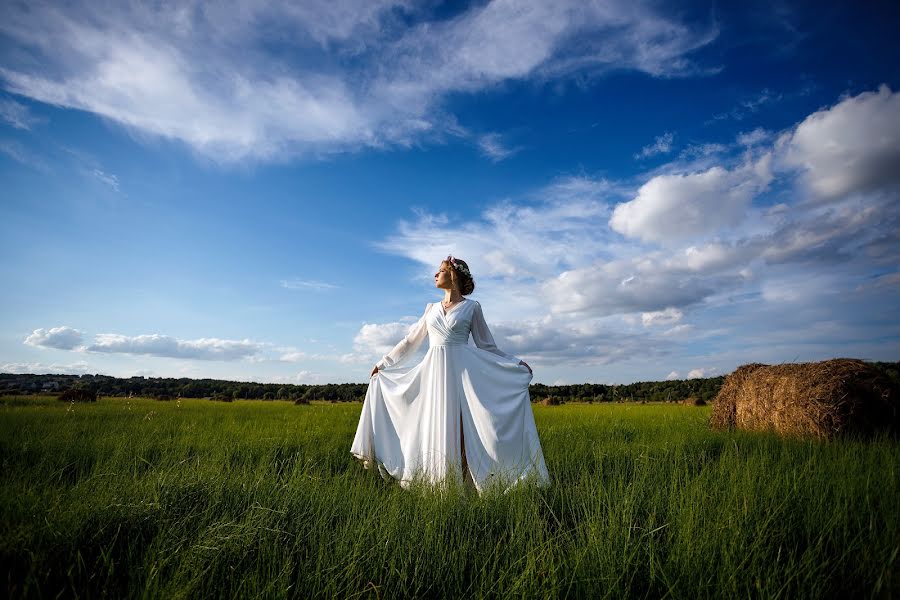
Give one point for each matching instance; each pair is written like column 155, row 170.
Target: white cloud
column 107, row 179
column 170, row 347
column 307, row 284
column 639, row 284
column 216, row 76
column 16, row 114
column 754, row 138
column 299, row 378
column 856, row 228
column 294, row 356
column 668, row 316
column 37, row 368
column 749, row 106
column 60, row 338
column 565, row 222
column 672, row 376
column 703, row 151
column 375, row 339
column 702, row 373
column 288, row 354
column 493, row 146
column 574, row 342
column 716, row 256
column 661, row 145
column 579, row 189
column 678, row 207
column 853, row 146
column 679, row 330
column 19, row 153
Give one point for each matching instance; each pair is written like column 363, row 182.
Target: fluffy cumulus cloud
column 374, row 340
column 677, row 207
column 302, row 377
column 851, row 147
column 629, row 285
column 214, row 76
column 60, row 338
column 701, row 373
column 170, row 347
column 737, row 260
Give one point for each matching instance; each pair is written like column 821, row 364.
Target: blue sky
column 263, row 192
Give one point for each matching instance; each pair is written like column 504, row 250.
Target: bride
column 463, row 413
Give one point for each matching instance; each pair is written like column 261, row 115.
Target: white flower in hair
column 458, row 265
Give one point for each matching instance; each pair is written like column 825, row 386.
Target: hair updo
column 464, row 282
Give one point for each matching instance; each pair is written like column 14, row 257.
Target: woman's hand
column 522, row 362
column 375, row 370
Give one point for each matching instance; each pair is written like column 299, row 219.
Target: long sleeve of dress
column 482, row 335
column 408, row 344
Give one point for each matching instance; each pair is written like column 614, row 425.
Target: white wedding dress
column 411, row 418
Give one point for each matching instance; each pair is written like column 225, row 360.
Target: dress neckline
column 445, row 312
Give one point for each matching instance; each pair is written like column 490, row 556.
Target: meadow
column 192, row 499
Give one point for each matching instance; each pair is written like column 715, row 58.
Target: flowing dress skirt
column 414, row 418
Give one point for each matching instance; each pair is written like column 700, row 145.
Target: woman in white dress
column 463, row 412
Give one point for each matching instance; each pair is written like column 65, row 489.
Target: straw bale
column 817, row 399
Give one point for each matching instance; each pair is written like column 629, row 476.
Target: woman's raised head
column 454, row 272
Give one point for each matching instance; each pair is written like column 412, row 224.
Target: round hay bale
column 551, row 401
column 818, row 399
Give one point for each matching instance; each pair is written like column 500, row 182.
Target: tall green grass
column 262, row 499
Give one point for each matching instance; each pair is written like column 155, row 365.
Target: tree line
column 217, row 389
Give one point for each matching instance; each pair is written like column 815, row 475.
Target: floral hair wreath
column 459, row 266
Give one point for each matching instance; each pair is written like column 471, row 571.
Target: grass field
column 196, row 499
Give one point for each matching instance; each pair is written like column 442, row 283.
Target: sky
column 263, row 192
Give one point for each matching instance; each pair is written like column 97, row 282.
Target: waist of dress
column 450, row 344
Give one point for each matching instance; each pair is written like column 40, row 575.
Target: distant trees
column 647, row 391
column 156, row 387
